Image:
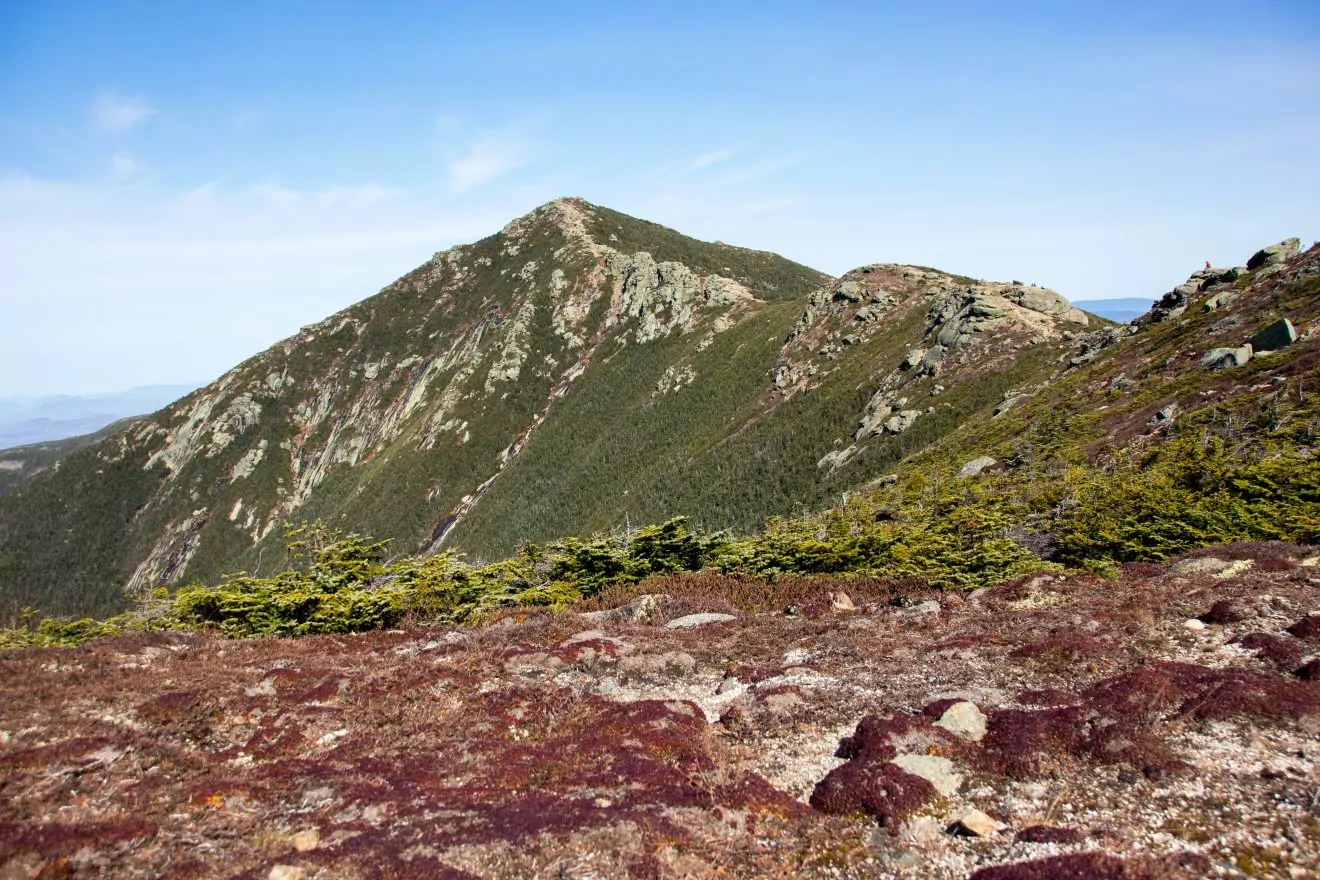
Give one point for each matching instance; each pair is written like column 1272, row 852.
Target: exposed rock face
column 901, row 421
column 1275, row 254
column 576, row 367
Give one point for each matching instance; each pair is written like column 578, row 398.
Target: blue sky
column 182, row 185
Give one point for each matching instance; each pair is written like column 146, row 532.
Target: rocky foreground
column 1160, row 724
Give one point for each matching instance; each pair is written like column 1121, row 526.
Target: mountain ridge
column 575, row 371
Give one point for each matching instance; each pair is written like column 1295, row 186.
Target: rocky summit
column 591, row 550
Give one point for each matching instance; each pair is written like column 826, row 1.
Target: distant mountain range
column 1120, row 310
column 28, row 420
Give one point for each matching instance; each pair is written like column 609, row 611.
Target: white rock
column 964, row 719
column 1196, row 566
column 930, row 606
column 306, row 840
column 842, row 602
column 1193, row 624
column 975, row 466
column 976, row 823
column 695, row 620
column 922, row 830
column 937, row 771
column 287, row 872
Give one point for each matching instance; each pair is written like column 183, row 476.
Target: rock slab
column 937, row 771
column 1280, row 334
column 694, row 620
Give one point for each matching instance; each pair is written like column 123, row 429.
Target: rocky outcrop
column 901, row 421
column 1275, row 254
column 662, row 297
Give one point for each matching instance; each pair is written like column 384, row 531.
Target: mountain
column 21, row 463
column 1119, row 310
column 28, row 420
column 577, row 371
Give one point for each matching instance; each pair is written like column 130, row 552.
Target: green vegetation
column 382, row 419
column 21, row 463
column 770, row 275
column 1045, row 513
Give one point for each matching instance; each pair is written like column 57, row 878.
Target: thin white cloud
column 760, row 168
column 714, row 157
column 114, row 113
column 122, row 164
column 107, row 285
column 485, row 160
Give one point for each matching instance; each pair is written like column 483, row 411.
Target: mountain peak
column 568, row 213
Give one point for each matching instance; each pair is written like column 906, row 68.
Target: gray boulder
column 1275, row 254
column 848, row 290
column 913, row 358
column 964, row 719
column 1164, row 415
column 1280, row 334
column 1220, row 300
column 901, row 421
column 640, row 608
column 1222, row 358
column 975, row 466
column 1009, row 402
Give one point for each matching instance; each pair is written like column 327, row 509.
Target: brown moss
column 1308, row 628
column 1118, row 720
column 55, row 838
column 1061, row 648
column 879, row 789
column 1049, row 834
column 1257, row 551
column 1280, row 651
column 711, row 591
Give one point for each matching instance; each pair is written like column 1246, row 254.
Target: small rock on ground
column 965, row 720
column 695, row 620
column 976, row 465
column 306, row 840
column 974, row 823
